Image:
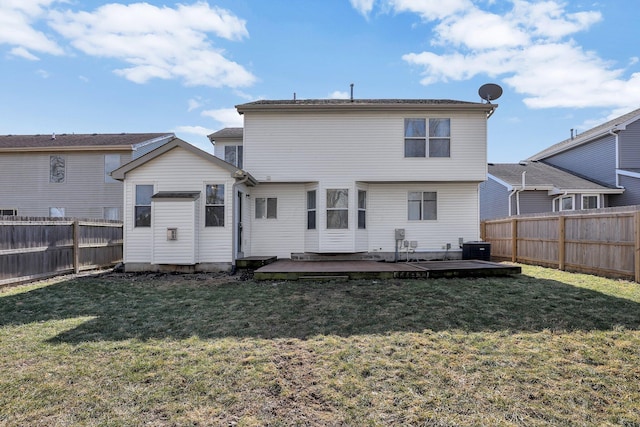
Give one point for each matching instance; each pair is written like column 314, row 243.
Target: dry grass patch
column 543, row 348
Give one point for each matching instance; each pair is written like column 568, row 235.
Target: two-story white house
column 318, row 177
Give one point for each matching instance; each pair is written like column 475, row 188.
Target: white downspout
column 615, row 134
column 518, row 193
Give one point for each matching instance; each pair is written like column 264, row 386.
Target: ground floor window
column 56, row 212
column 362, row 209
column 111, row 213
column 8, row 212
column 311, row 210
column 563, row 203
column 143, row 205
column 266, row 208
column 590, row 202
column 214, row 205
column 338, row 209
column 422, row 206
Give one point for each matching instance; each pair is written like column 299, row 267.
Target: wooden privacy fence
column 604, row 242
column 35, row 248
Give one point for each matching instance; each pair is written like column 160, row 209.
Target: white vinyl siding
column 84, row 194
column 364, row 147
column 180, row 170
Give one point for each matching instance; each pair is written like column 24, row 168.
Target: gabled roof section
column 235, row 172
column 79, row 142
column 541, row 176
column 362, row 105
column 227, row 133
column 615, row 125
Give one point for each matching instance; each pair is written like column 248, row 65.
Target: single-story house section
column 532, row 187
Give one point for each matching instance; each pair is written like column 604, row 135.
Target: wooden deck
column 325, row 270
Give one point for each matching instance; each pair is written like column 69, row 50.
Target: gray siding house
column 68, row 175
column 534, row 187
column 608, row 154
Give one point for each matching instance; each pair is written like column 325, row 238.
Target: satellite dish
column 490, row 92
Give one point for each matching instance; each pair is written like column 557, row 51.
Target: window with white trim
column 266, row 208
column 362, row 209
column 57, row 169
column 111, row 163
column 422, row 206
column 56, row 212
column 563, row 203
column 214, row 205
column 142, row 210
column 8, row 212
column 311, row 209
column 233, row 155
column 111, row 213
column 590, row 201
column 337, row 209
column 431, row 141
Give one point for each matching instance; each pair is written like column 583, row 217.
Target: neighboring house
column 228, row 145
column 67, row 175
column 608, row 154
column 319, row 177
column 534, row 187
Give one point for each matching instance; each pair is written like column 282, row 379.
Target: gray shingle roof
column 227, row 133
column 77, row 140
column 586, row 136
column 541, row 175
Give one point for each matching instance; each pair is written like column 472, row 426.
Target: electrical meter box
column 399, row 233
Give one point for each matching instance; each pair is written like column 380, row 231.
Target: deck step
column 255, row 262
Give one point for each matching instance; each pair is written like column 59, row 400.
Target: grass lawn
column 542, row 348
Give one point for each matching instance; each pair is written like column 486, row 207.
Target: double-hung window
column 590, row 202
column 233, row 155
column 266, row 208
column 214, row 205
column 362, row 209
column 427, row 138
column 338, row 209
column 311, row 210
column 422, row 206
column 143, row 205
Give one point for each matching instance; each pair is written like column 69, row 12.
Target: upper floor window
column 422, row 205
column 214, row 206
column 142, row 210
column 421, row 140
column 266, row 208
column 111, row 213
column 590, row 202
column 57, row 169
column 233, row 155
column 56, row 212
column 8, row 212
column 111, row 163
column 338, row 209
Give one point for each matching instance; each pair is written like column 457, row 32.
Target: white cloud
column 362, row 6
column 194, row 130
column 159, row 42
column 23, row 53
column 17, row 19
column 227, row 117
column 529, row 47
column 339, row 95
column 193, row 104
column 43, row 73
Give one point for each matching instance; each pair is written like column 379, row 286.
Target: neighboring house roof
column 615, row 125
column 362, row 104
column 541, row 176
column 227, row 133
column 77, row 142
column 235, row 172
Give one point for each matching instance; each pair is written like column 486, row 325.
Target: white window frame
column 3, row 212
column 557, row 203
column 334, row 209
column 584, row 196
column 215, row 205
column 362, row 210
column 239, row 154
column 422, row 204
column 427, row 138
column 266, row 208
column 106, row 215
column 312, row 209
column 56, row 212
column 136, row 205
column 108, row 167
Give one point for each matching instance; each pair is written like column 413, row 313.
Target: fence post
column 76, row 246
column 561, row 241
column 636, row 252
column 514, row 240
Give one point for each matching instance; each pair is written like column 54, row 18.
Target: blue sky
column 71, row 66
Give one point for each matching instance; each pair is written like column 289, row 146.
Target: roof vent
column 351, row 92
column 53, row 135
column 523, row 163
